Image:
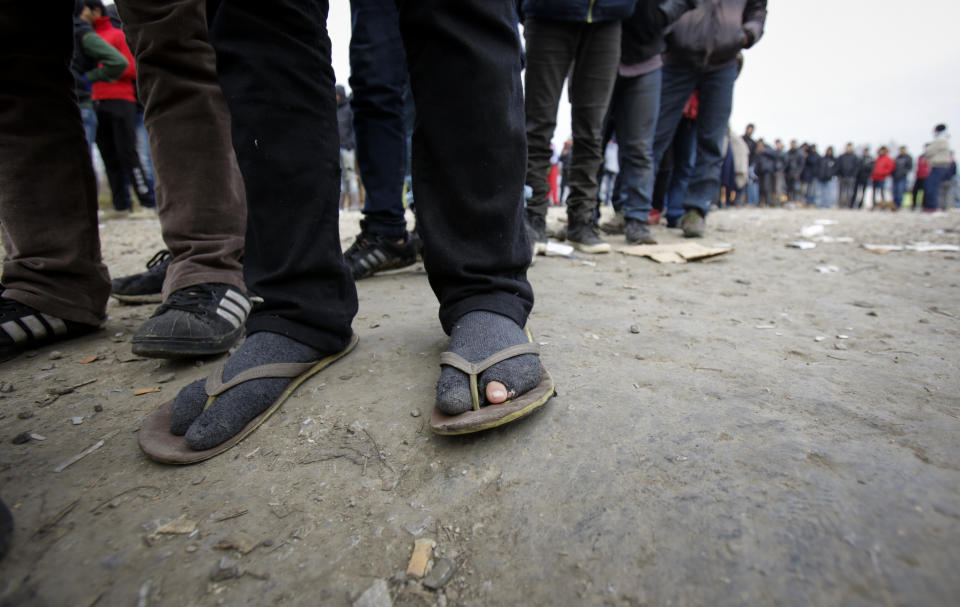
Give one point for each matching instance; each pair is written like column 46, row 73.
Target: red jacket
column 923, row 168
column 883, row 168
column 122, row 87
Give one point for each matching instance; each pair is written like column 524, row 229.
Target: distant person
column 764, row 164
column 811, row 172
column 863, row 177
column 780, row 172
column 920, row 179
column 794, row 170
column 903, row 164
column 882, row 169
column 349, row 185
column 94, row 60
column 750, row 141
column 826, row 179
column 848, row 165
column 940, row 157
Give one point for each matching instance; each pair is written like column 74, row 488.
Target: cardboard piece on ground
column 680, row 252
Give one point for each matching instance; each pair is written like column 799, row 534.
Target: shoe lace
column 191, row 299
column 158, row 259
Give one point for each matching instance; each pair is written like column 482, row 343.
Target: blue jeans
column 143, row 151
column 899, row 188
column 378, row 77
column 635, row 106
column 684, row 163
column 89, row 117
column 715, row 89
column 826, row 198
column 931, row 192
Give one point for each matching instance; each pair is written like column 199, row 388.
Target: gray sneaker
column 637, row 232
column 615, row 225
column 585, row 238
column 693, row 224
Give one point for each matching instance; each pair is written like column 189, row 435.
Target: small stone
column 162, row 379
column 634, row 329
column 76, row 421
column 225, row 569
column 23, row 437
column 377, row 595
column 346, row 377
column 442, row 572
column 415, row 413
column 819, row 338
column 266, row 543
column 47, row 367
column 841, row 346
column 98, row 408
column 191, row 548
column 6, row 386
column 25, row 414
column 31, row 354
column 55, row 355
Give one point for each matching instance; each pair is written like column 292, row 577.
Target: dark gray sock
column 476, row 336
column 231, row 411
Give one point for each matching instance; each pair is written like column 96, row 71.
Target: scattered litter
column 587, row 262
column 79, row 456
column 422, row 551
column 37, row 437
column 86, row 360
column 76, row 421
column 143, row 597
column 819, row 338
column 56, row 355
column 926, row 247
column 812, row 230
column 225, row 569
column 882, row 248
column 558, row 249
column 143, row 391
column 825, row 222
column 634, row 329
column 863, row 304
column 377, row 595
column 239, row 541
column 442, row 572
column 675, row 253
column 6, row 386
column 840, row 346
column 178, row 526
column 836, row 239
column 235, row 514
column 415, row 413
column 937, row 310
column 827, row 269
column 52, row 521
column 802, row 245
column 843, row 337
column 765, row 327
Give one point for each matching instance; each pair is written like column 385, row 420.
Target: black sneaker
column 637, row 232
column 693, row 224
column 201, row 320
column 146, row 286
column 537, row 233
column 25, row 328
column 584, row 238
column 372, row 253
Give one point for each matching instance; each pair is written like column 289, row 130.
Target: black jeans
column 592, row 51
column 468, row 159
column 117, row 141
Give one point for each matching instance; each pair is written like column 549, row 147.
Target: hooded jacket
column 586, row 11
column 848, row 164
column 938, row 151
column 122, row 87
column 882, row 168
column 711, row 35
column 93, row 60
column 643, row 32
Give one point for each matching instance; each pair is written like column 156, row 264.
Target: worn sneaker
column 537, row 233
column 201, row 320
column 693, row 224
column 145, row 287
column 638, row 233
column 614, row 225
column 584, row 238
column 25, row 328
column 372, row 253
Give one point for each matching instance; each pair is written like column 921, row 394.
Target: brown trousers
column 48, row 203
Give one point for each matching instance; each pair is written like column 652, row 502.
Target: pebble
column 841, row 346
column 191, row 548
column 23, row 437
column 76, row 421
column 162, row 379
column 442, row 572
column 25, row 414
column 56, row 355
column 377, row 595
column 415, row 413
column 634, row 329
column 98, row 408
column 346, row 377
column 47, row 367
column 225, row 569
column 6, row 386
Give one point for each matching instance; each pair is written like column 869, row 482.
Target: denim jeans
column 684, row 162
column 378, row 78
column 89, row 117
column 715, row 89
column 899, row 189
column 635, row 106
column 931, row 190
column 143, row 150
column 827, row 193
column 878, row 191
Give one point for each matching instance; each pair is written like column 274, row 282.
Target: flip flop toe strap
column 473, row 370
column 216, row 386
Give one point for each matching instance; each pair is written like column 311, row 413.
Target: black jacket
column 765, row 162
column 644, row 30
column 348, row 140
column 811, row 166
column 588, row 11
column 712, row 34
column 795, row 162
column 828, row 168
column 780, row 160
column 866, row 169
column 904, row 164
column 848, row 164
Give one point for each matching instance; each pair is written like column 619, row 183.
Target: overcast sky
column 827, row 71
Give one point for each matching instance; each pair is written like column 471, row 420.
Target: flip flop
column 491, row 416
column 160, row 445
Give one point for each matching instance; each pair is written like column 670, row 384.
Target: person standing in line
column 920, row 179
column 750, row 141
column 903, row 164
column 811, row 172
column 847, row 167
column 940, row 156
column 583, row 40
column 863, row 177
column 882, row 169
column 794, row 170
column 764, row 164
column 780, row 173
column 826, row 179
column 116, row 106
column 349, row 184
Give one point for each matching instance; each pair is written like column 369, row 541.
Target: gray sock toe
column 187, row 406
column 476, row 336
column 233, row 409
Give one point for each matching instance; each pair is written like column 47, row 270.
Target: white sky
column 827, row 71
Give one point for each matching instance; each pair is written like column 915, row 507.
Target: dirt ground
column 751, row 430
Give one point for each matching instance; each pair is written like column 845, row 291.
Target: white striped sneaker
column 201, row 320
column 24, row 328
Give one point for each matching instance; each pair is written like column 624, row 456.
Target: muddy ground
column 745, row 431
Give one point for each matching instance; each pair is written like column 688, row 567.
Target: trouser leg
column 550, row 47
column 475, row 244
column 284, row 128
column 48, row 201
column 716, row 101
column 199, row 189
column 635, row 117
column 378, row 77
column 684, row 160
column 107, row 125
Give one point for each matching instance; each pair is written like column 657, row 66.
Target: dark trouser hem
column 117, row 141
column 504, row 304
column 323, row 342
column 234, row 279
column 388, row 227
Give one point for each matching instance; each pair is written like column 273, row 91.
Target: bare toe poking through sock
column 476, row 336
